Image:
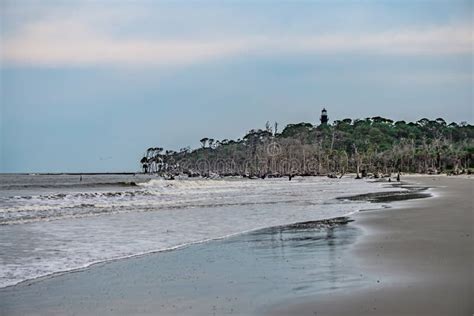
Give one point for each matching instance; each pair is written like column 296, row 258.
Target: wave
column 81, row 195
column 152, row 187
column 157, row 183
column 71, row 229
column 153, row 195
column 67, row 185
column 39, row 213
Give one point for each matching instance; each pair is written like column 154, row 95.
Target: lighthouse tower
column 324, row 117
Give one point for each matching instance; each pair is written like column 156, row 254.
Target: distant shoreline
column 70, row 173
column 220, row 176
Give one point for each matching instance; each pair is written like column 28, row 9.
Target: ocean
column 58, row 223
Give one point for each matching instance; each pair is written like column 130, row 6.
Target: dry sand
column 421, row 257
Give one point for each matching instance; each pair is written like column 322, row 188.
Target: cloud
column 68, row 43
column 434, row 41
column 74, row 42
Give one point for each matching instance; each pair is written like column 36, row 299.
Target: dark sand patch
column 406, row 192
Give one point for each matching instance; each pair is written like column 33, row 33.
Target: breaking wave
column 50, row 228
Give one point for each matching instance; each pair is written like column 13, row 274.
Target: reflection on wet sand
column 238, row 275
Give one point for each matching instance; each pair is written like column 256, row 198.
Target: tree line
column 373, row 146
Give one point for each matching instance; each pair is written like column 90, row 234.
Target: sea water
column 55, row 223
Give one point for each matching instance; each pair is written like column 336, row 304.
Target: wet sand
column 411, row 260
column 241, row 275
column 420, row 256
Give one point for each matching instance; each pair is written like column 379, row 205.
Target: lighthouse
column 324, row 117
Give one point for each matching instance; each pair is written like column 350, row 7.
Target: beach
column 58, row 223
column 250, row 158
column 410, row 257
column 421, row 257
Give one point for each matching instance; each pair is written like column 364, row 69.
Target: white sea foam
column 48, row 232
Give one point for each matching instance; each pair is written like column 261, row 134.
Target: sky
column 87, row 86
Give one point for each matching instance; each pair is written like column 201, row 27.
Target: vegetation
column 376, row 146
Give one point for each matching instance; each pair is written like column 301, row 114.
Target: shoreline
column 243, row 175
column 320, row 224
column 179, row 269
column 182, row 251
column 420, row 253
column 92, row 264
column 404, row 192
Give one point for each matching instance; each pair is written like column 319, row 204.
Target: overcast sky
column 89, row 85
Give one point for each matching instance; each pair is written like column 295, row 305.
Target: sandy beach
column 421, row 256
column 251, row 158
column 414, row 258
